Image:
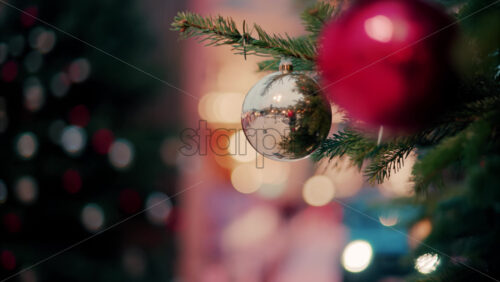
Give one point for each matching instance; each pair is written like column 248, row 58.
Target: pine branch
column 217, row 31
column 315, row 17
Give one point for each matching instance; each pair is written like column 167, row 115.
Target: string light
column 26, row 189
column 27, row 145
column 92, row 217
column 121, row 154
column 158, row 207
column 427, row 263
column 318, row 191
column 73, row 140
column 357, row 256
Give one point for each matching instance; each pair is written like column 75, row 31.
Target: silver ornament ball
column 285, row 117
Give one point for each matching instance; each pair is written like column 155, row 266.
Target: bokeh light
column 240, row 149
column 318, row 191
column 79, row 70
column 389, row 218
column 8, row 260
column 400, row 184
column 427, row 263
column 34, row 94
column 102, row 140
column 60, row 84
column 251, row 228
column 42, row 40
column 73, row 140
column 357, row 256
column 219, row 107
column 72, row 181
column 9, row 71
column 121, row 154
column 4, row 193
column 134, row 262
column 158, row 208
column 28, row 275
column 79, row 115
column 26, row 189
column 246, row 178
column 12, row 222
column 275, row 177
column 345, row 176
column 28, row 17
column 169, row 151
column 418, row 232
column 92, row 217
column 33, row 61
column 4, row 119
column 26, row 145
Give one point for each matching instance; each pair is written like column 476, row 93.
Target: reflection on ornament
column 357, row 256
column 318, row 191
column 284, row 115
column 399, row 184
column 427, row 263
column 92, row 217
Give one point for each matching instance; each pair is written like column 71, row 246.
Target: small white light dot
column 92, row 217
column 357, row 256
column 158, row 207
column 121, row 154
column 73, row 139
column 427, row 263
column 27, row 145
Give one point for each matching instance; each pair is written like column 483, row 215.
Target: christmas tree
column 77, row 155
column 452, row 125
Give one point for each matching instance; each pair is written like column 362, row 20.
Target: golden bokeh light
column 318, row 191
column 418, row 232
column 217, row 107
column 345, row 176
column 240, row 149
column 246, row 178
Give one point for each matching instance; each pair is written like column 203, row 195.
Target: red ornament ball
column 386, row 62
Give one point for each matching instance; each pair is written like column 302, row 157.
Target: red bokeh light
column 9, row 71
column 79, row 116
column 8, row 260
column 102, row 140
column 28, row 18
column 130, row 201
column 72, row 181
column 12, row 222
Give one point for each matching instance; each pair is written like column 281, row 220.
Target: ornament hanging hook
column 286, row 65
column 380, row 135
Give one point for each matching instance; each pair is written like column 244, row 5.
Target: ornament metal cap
column 286, row 66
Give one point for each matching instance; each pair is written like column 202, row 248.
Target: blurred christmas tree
column 75, row 156
column 456, row 178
